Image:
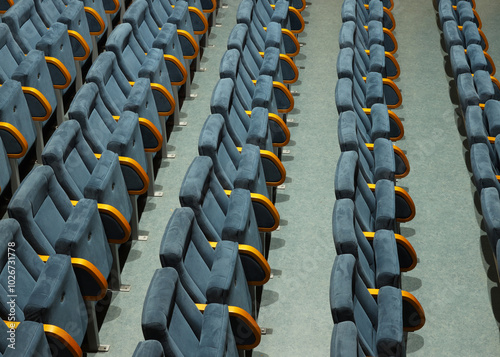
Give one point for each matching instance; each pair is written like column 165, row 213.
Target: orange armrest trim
column 82, row 42
column 192, row 41
column 405, row 195
column 390, row 83
column 91, row 270
column 21, row 140
column 260, row 259
column 119, row 218
column 277, row 119
column 138, row 169
column 98, row 18
column 289, row 96
column 287, row 32
column 212, row 9
column 298, row 15
column 62, row 68
column 150, row 126
column 117, row 7
column 266, row 154
column 180, row 66
column 246, row 318
column 64, row 337
column 42, row 100
column 202, row 17
column 292, row 64
column 164, row 91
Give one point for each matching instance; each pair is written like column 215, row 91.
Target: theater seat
column 381, row 315
column 149, row 348
column 171, row 317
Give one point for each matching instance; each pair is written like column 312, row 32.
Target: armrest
column 64, row 338
column 390, row 338
column 190, row 49
column 250, row 332
column 199, row 21
column 273, row 168
column 151, row 136
column 257, row 269
column 173, row 64
column 128, row 164
column 413, row 313
column 95, row 21
column 14, row 136
column 284, row 98
column 386, row 259
column 34, row 76
column 111, row 7
column 289, row 69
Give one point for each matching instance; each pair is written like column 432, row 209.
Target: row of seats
column 479, row 94
column 70, row 216
column 369, row 309
column 215, row 247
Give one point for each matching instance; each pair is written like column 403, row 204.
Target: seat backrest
column 145, row 27
column 344, row 341
column 11, row 53
column 95, row 119
column 160, row 10
column 14, row 111
column 71, row 158
column 170, row 316
column 149, row 348
column 5, row 169
column 42, row 207
column 31, row 341
column 25, row 24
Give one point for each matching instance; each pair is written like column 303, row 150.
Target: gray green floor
column 454, row 280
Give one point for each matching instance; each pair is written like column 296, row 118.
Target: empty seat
column 378, row 206
column 149, row 348
column 379, row 158
column 490, row 207
column 477, row 89
column 82, row 175
column 345, row 341
column 463, row 35
column 35, row 290
column 170, row 316
column 380, row 315
column 460, row 13
column 380, row 256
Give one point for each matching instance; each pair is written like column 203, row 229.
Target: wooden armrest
column 150, row 126
column 191, row 40
column 288, row 33
column 268, row 205
column 413, row 313
column 113, row 11
column 61, row 68
column 212, row 9
column 202, row 17
column 89, row 268
column 21, row 140
column 82, row 42
column 403, row 243
column 164, row 92
column 41, row 99
column 98, row 18
column 246, row 318
column 138, row 169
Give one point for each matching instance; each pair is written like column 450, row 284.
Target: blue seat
column 470, row 60
column 358, row 10
column 212, row 272
column 256, row 21
column 490, row 207
column 22, row 18
column 5, row 170
column 171, row 317
column 379, row 158
column 381, row 315
column 280, row 11
column 464, row 35
column 373, row 54
column 31, row 71
column 482, row 124
column 45, row 292
column 17, row 129
column 477, row 89
column 380, row 255
column 52, row 225
column 82, row 175
column 216, row 208
column 135, row 63
column 460, row 12
column 352, row 95
column 378, row 206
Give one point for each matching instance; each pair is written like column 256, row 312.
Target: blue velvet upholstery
column 30, row 341
column 135, row 63
column 118, row 95
column 219, row 217
column 30, row 33
column 81, row 175
column 344, row 341
column 14, row 110
column 52, row 225
column 30, row 70
column 171, row 317
column 72, row 15
column 208, row 275
column 490, row 206
column 5, row 169
column 379, row 322
column 46, row 292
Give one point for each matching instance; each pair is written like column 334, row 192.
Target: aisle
column 295, row 303
column 451, row 279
